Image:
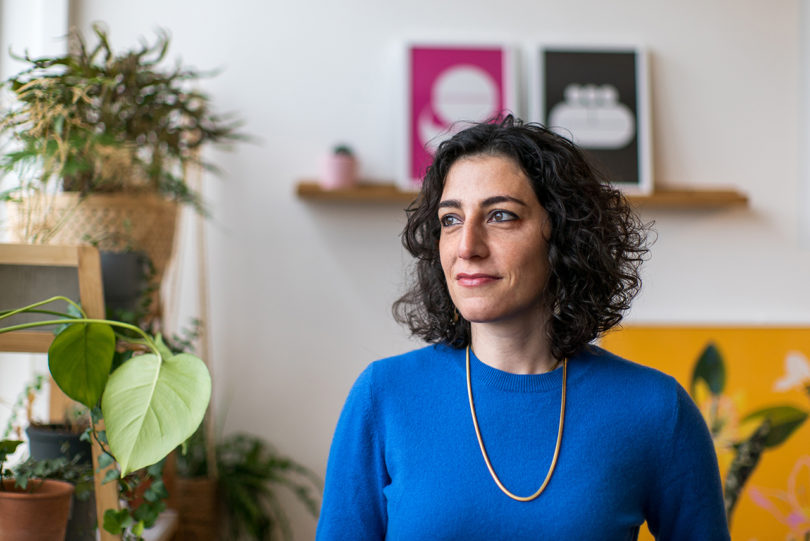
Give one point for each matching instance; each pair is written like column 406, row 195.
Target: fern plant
column 96, row 120
column 250, row 472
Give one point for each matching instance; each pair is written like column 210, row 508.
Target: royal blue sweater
column 405, row 462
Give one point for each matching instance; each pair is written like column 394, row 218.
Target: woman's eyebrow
column 494, row 200
column 488, row 202
column 451, row 203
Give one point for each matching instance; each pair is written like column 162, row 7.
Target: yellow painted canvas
column 765, row 367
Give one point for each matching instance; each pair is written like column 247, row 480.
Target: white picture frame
column 431, row 71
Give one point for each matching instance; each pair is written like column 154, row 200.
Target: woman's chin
column 500, row 314
column 481, row 315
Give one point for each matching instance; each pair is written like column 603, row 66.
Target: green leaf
column 116, row 521
column 784, row 420
column 104, row 460
column 111, row 475
column 9, row 446
column 21, row 481
column 151, row 407
column 155, row 471
column 153, row 495
column 6, row 448
column 95, row 415
column 80, row 358
column 711, row 369
column 74, row 312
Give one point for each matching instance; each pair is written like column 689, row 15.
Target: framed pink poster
column 448, row 87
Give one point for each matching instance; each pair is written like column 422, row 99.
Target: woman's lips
column 474, row 280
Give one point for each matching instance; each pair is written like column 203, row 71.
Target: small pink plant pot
column 339, row 170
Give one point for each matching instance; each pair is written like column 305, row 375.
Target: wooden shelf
column 691, row 198
column 390, row 193
column 365, row 191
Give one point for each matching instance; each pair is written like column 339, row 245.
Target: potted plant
column 58, row 451
column 33, row 509
column 150, row 399
column 81, row 524
column 100, row 142
column 244, row 492
column 55, row 440
column 48, row 440
column 339, row 169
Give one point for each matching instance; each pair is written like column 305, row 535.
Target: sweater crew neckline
column 484, row 374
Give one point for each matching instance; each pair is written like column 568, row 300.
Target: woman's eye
column 449, row 219
column 502, row 216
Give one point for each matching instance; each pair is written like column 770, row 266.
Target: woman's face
column 493, row 243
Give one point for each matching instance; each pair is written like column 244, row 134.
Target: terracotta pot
column 47, row 442
column 35, row 516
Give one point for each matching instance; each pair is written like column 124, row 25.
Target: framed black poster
column 599, row 98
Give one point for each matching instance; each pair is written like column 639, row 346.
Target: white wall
column 301, row 291
column 34, row 27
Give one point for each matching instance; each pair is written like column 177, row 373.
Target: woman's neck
column 515, row 348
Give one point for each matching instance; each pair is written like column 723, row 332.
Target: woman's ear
column 546, row 226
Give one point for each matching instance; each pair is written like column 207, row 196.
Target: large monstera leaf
column 150, row 407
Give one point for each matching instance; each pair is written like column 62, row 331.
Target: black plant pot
column 124, row 277
column 54, row 441
column 46, row 441
column 82, row 522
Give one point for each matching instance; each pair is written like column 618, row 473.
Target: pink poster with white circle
column 449, row 88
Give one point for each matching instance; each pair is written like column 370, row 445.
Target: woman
column 511, row 425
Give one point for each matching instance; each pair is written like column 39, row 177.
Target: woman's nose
column 472, row 242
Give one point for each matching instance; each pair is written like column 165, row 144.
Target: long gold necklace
column 484, row 451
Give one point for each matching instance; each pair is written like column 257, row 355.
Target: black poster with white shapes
column 597, row 98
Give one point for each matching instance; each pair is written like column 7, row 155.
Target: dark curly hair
column 596, row 246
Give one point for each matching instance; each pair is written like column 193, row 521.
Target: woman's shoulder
column 642, row 394
column 415, row 371
column 605, row 362
column 421, row 361
column 607, row 369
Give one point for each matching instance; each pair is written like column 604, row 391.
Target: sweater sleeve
column 354, row 505
column 687, row 497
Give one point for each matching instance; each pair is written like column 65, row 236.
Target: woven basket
column 197, row 504
column 113, row 222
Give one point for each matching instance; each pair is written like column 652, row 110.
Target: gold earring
column 455, row 315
